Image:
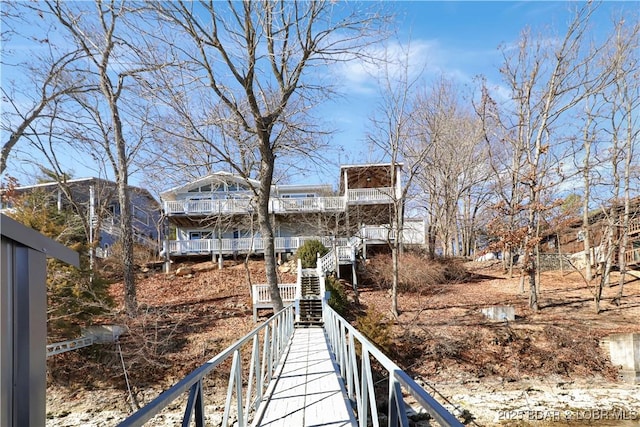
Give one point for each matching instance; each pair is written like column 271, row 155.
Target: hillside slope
column 440, row 337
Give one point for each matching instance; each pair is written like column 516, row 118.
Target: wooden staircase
column 311, row 300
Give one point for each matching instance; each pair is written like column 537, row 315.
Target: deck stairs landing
column 310, row 302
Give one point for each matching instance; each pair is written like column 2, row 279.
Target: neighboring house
column 215, row 215
column 571, row 238
column 97, row 199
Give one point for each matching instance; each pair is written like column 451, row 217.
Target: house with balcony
column 569, row 240
column 216, row 215
column 97, row 200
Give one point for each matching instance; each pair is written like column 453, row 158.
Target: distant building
column 97, row 200
column 569, row 240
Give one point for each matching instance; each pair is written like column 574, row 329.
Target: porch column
column 346, row 186
column 346, row 202
column 354, row 276
column 398, row 181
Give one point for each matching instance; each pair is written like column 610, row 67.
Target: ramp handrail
column 64, row 346
column 349, row 347
column 274, row 335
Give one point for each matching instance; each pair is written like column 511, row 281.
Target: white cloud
column 361, row 75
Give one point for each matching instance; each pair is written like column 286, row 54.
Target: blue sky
column 457, row 39
column 460, row 40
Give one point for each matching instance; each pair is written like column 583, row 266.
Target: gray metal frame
column 346, row 342
column 246, row 395
column 23, row 321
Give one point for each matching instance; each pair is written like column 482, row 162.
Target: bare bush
column 417, row 273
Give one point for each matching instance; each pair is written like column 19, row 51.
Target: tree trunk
column 529, row 264
column 560, row 260
column 607, row 262
column 266, row 229
column 126, row 239
column 394, row 286
column 585, row 207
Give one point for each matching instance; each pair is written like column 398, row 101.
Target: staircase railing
column 354, row 354
column 244, row 391
column 326, row 263
column 261, row 296
column 341, row 253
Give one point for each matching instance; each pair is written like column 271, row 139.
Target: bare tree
column 454, row 164
column 114, row 62
column 505, row 160
column 622, row 100
column 393, row 133
column 588, row 140
column 38, row 81
column 253, row 59
column 546, row 81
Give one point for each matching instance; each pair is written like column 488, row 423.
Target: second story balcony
column 278, row 205
column 207, row 206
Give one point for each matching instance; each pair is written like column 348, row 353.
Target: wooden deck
column 308, row 390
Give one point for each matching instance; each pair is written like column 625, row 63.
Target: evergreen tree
column 74, row 296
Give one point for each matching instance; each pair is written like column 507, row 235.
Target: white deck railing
column 378, row 233
column 346, row 254
column 243, row 205
column 370, row 195
column 308, row 204
column 326, row 263
column 632, row 256
column 226, row 206
column 288, row 244
column 243, row 245
column 412, row 233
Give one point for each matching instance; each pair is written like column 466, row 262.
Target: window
column 140, row 215
column 298, row 195
column 199, row 235
column 207, row 188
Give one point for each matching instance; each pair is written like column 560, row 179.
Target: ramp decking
column 307, row 390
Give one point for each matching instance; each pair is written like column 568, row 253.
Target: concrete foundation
column 104, row 333
column 500, row 313
column 624, row 350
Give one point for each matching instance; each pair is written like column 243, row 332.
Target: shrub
column 338, row 299
column 376, row 328
column 416, row 273
column 308, row 252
